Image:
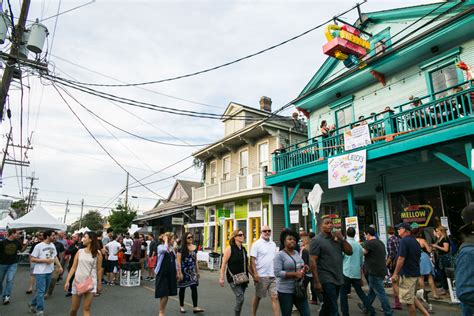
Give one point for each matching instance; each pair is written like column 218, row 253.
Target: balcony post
column 219, row 186
column 286, row 206
column 274, row 169
column 388, row 122
column 350, row 200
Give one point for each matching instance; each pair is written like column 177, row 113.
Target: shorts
column 407, row 288
column 264, row 286
column 112, row 266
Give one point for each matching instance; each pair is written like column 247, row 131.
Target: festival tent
column 37, row 218
column 4, row 222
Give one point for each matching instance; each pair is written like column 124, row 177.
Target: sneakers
column 31, row 308
column 362, row 308
column 151, row 279
column 40, row 313
column 6, row 300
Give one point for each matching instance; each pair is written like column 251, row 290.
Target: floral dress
column 189, row 270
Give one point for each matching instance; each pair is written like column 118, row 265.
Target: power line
column 222, row 65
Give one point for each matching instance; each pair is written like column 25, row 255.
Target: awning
column 164, row 214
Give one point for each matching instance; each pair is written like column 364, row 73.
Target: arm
column 178, row 263
column 400, row 263
column 425, row 245
column 99, row 271
column 224, row 265
column 58, row 264
column 313, row 264
column 253, row 270
column 38, row 260
column 71, row 273
column 445, row 247
column 364, row 251
column 347, row 248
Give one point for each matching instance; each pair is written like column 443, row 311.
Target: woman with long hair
column 234, row 263
column 441, row 246
column 165, row 270
column 426, row 266
column 87, row 263
column 188, row 271
column 290, row 268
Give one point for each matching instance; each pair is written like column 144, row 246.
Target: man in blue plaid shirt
column 392, row 250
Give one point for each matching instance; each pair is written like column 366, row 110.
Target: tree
column 121, row 218
column 92, row 220
column 19, row 207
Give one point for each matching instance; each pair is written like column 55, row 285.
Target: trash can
column 214, row 261
column 130, row 274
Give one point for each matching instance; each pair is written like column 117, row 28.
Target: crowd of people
column 305, row 268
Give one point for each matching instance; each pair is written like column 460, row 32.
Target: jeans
column 330, row 296
column 356, row 283
column 287, row 300
column 7, row 271
column 42, row 284
column 376, row 288
column 239, row 292
column 467, row 310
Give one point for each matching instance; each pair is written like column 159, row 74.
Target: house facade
column 413, row 89
column 234, row 194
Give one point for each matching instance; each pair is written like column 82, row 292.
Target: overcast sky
column 136, row 41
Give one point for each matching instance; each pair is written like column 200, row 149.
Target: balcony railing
column 437, row 109
column 232, row 186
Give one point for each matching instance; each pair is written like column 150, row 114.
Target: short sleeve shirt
column 44, row 251
column 264, row 252
column 9, row 250
column 411, row 251
column 329, row 253
column 113, row 247
column 375, row 258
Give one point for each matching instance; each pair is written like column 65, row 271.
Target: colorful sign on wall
column 347, row 169
column 336, row 220
column 420, row 214
column 353, row 222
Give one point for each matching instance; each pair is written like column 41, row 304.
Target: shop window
column 242, row 226
column 443, row 78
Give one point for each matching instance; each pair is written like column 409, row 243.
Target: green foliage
column 92, row 220
column 19, row 207
column 121, row 219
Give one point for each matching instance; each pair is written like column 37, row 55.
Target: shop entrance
column 254, row 229
column 364, row 208
column 228, row 229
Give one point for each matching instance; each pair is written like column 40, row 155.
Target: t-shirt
column 283, row 263
column 410, row 250
column 105, row 239
column 44, row 251
column 375, row 258
column 113, row 247
column 9, row 250
column 128, row 245
column 59, row 247
column 264, row 252
column 329, row 252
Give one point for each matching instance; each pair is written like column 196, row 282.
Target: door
column 228, row 229
column 254, row 229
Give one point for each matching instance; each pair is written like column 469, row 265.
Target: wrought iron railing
column 437, row 109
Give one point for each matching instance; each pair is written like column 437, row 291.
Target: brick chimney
column 266, row 104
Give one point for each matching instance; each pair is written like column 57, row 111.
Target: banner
column 358, row 136
column 353, row 222
column 347, row 169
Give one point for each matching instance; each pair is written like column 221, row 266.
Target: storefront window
column 339, row 210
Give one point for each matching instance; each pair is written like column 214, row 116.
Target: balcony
column 434, row 112
column 234, row 186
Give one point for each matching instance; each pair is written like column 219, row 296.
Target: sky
column 135, row 41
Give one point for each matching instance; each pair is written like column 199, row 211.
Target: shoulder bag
column 240, row 278
column 88, row 284
column 300, row 290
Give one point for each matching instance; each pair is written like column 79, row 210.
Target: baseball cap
column 405, row 226
column 467, row 215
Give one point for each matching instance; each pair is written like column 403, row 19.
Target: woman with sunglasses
column 289, row 268
column 235, row 262
column 166, row 277
column 188, row 272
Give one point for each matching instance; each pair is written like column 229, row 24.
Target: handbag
column 151, row 262
column 87, row 285
column 240, row 278
column 300, row 289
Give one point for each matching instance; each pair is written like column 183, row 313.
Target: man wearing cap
column 9, row 249
column 464, row 266
column 408, row 268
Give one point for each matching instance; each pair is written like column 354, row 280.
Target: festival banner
column 347, row 169
column 353, row 222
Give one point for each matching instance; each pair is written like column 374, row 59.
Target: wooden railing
column 436, row 109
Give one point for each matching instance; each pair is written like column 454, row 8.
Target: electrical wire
column 67, row 11
column 222, row 65
column 55, row 26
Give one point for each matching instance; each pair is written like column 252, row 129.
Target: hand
column 221, row 282
column 339, row 235
column 395, row 278
column 299, row 274
column 66, row 285
column 180, row 277
column 256, row 279
column 99, row 287
column 48, row 261
column 317, row 286
column 60, row 270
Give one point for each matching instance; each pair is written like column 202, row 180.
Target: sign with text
column 336, row 220
column 358, row 136
column 353, row 222
column 177, row 221
column 420, row 214
column 294, row 217
column 347, row 169
column 304, row 209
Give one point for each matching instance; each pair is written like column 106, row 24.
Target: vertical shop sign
column 353, row 222
column 347, row 169
column 382, row 227
column 294, row 217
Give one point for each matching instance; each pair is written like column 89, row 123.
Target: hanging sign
column 345, row 43
column 347, row 169
column 420, row 214
column 177, row 221
column 294, row 217
column 445, row 223
column 353, row 222
column 304, row 209
column 358, row 136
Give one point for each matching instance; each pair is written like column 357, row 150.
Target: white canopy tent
column 83, row 230
column 4, row 222
column 38, row 218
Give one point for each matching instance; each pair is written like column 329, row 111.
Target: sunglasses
column 239, row 235
column 267, row 231
column 189, row 237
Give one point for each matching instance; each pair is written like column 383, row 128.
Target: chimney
column 266, row 104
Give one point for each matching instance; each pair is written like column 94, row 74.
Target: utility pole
column 82, row 208
column 126, row 192
column 30, row 194
column 66, row 210
column 12, row 61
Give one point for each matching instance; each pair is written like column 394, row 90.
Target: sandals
column 182, row 310
column 198, row 310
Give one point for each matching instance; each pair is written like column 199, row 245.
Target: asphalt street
column 118, row 301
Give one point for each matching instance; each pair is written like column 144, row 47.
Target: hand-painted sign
column 353, row 222
column 420, row 214
column 358, row 136
column 347, row 169
column 336, row 220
